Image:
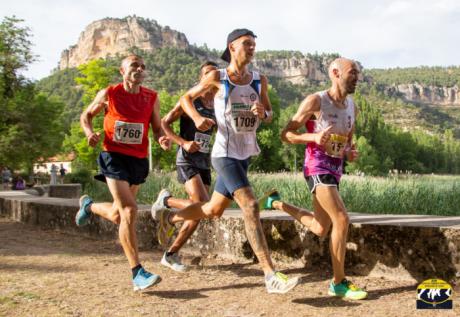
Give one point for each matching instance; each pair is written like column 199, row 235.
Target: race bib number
column 243, row 120
column 128, row 133
column 336, row 145
column 204, row 140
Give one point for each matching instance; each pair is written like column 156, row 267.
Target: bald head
column 339, row 65
column 128, row 59
column 133, row 69
column 344, row 72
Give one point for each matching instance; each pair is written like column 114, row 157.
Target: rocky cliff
column 111, row 36
column 116, row 36
column 296, row 69
column 414, row 92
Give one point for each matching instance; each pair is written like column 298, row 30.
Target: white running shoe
column 173, row 262
column 280, row 283
column 160, row 202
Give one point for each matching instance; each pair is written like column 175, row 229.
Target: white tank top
column 236, row 124
column 341, row 119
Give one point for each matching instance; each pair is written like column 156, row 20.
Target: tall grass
column 408, row 194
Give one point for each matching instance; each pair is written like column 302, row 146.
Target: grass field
column 406, row 194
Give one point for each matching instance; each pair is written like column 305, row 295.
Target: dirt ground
column 49, row 273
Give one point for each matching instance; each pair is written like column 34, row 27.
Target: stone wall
column 406, row 252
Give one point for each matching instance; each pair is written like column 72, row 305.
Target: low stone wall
column 416, row 252
column 65, row 190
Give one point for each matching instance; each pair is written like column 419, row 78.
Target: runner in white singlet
column 240, row 103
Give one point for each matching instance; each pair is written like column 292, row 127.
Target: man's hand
column 191, row 146
column 165, row 142
column 204, row 124
column 93, row 139
column 322, row 137
column 352, row 153
column 258, row 110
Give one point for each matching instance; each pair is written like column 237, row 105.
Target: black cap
column 235, row 34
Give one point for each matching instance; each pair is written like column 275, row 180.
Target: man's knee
column 213, row 211
column 323, row 229
column 115, row 217
column 128, row 214
column 190, row 225
column 251, row 209
column 342, row 220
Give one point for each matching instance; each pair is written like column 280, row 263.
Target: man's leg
column 125, row 203
column 214, row 208
column 249, row 205
column 329, row 200
column 317, row 222
column 197, row 192
column 211, row 209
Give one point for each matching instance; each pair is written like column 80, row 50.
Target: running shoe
column 270, row 199
column 165, row 228
column 262, row 200
column 83, row 215
column 280, row 283
column 145, row 280
column 160, row 202
column 346, row 289
column 173, row 262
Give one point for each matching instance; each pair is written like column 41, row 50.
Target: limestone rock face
column 111, row 36
column 414, row 92
column 297, row 70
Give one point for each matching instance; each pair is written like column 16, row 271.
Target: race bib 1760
column 128, row 133
column 336, row 145
column 243, row 120
column 204, row 140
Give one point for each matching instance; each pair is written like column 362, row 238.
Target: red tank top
column 127, row 119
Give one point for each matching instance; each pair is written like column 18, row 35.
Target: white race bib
column 128, row 133
column 204, row 140
column 243, row 120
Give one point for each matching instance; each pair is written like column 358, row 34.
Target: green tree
column 269, row 140
column 30, row 123
column 15, row 54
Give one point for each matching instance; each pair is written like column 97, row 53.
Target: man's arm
column 173, row 115
column 307, row 108
column 207, row 84
column 86, row 119
column 263, row 109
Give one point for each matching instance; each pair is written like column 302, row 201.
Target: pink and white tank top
column 328, row 159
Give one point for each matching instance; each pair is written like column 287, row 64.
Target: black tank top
column 188, row 131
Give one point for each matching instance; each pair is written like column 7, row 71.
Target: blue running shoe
column 145, row 280
column 82, row 216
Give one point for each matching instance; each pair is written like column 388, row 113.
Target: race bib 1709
column 204, row 140
column 243, row 120
column 128, row 133
column 336, row 145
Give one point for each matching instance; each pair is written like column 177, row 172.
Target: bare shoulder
column 102, row 94
column 311, row 103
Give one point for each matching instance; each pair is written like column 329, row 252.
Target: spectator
column 53, row 174
column 62, row 172
column 6, row 177
column 20, row 184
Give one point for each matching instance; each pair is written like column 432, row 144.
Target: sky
column 379, row 33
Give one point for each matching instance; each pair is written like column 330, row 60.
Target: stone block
column 65, row 191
